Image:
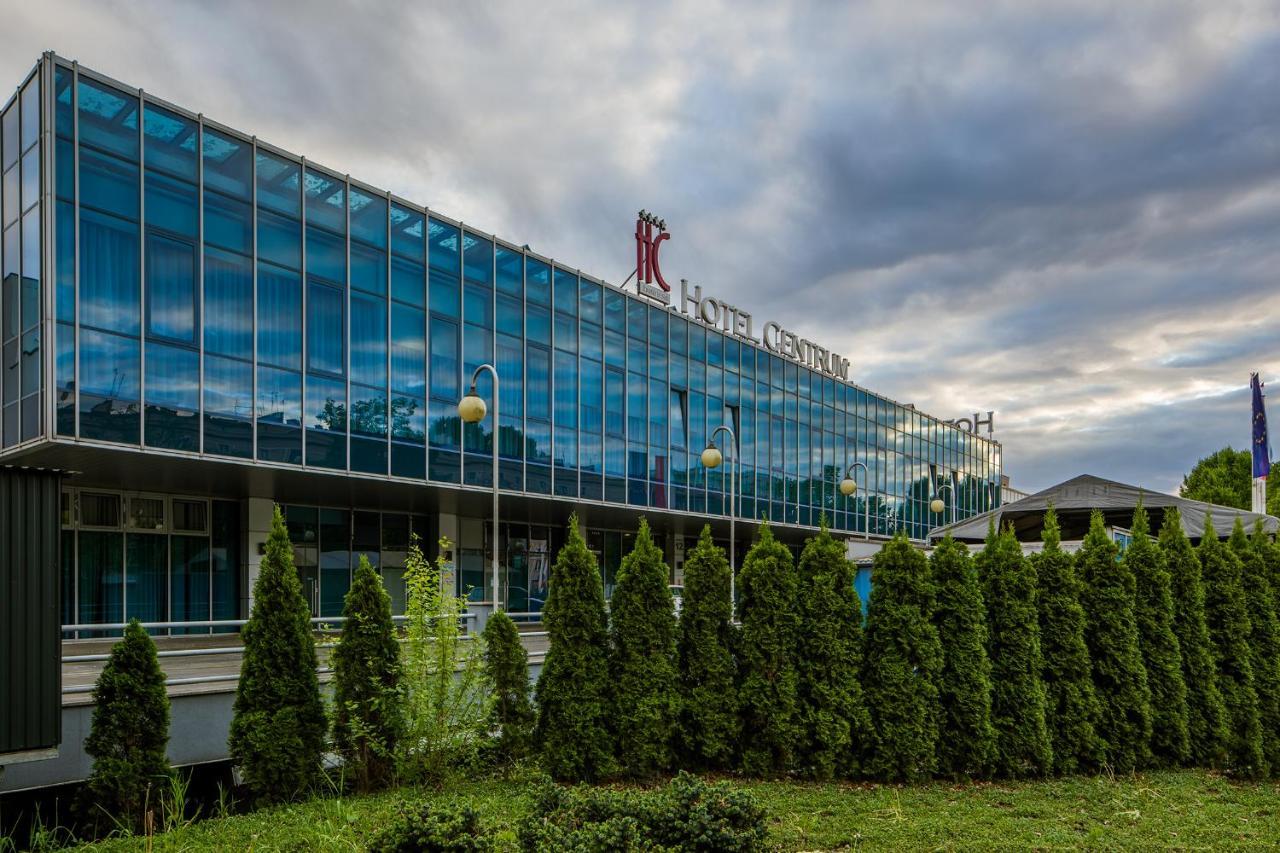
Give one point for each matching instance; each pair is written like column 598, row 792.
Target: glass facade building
column 207, row 300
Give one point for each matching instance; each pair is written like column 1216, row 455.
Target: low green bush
column 687, row 815
column 432, row 828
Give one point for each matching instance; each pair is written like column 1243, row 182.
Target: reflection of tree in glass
column 369, row 417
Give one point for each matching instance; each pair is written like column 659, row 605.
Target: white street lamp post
column 849, row 485
column 471, row 409
column 711, row 458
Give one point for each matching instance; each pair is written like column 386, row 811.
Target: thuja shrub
column 902, row 658
column 367, row 714
column 1226, row 612
column 1206, row 713
column 708, row 728
column 1161, row 654
column 1111, row 631
column 573, row 692
column 433, row 828
column 1071, row 706
column 642, row 661
column 278, row 722
column 506, row 671
column 686, row 814
column 1013, row 644
column 836, row 727
column 767, row 658
column 966, row 737
column 1264, row 638
column 127, row 738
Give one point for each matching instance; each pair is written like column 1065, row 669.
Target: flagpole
column 1261, row 446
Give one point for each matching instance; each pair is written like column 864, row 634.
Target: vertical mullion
column 200, row 267
column 253, row 367
column 346, row 320
column 426, row 344
column 48, row 254
column 493, row 355
column 142, row 270
column 524, row 368
column 387, row 355
column 75, row 211
column 302, row 217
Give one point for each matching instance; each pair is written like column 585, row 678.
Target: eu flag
column 1261, row 447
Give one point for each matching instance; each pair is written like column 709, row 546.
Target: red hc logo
column 647, row 246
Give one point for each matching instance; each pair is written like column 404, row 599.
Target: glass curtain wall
column 20, row 261
column 217, row 296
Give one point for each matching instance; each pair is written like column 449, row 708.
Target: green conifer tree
column 836, row 727
column 1111, row 631
column 1206, row 714
column 1161, row 654
column 709, row 706
column 1013, row 643
column 573, row 692
column 967, row 738
column 1264, row 637
column 642, row 666
column 1226, row 612
column 367, row 713
column 767, row 693
column 901, row 661
column 128, row 734
column 506, row 671
column 1071, row 705
column 278, row 722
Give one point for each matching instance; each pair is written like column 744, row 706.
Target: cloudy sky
column 1065, row 212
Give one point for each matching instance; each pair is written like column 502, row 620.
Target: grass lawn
column 1181, row 810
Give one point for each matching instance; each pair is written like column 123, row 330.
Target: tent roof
column 1075, row 499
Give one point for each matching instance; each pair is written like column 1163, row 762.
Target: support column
column 258, row 513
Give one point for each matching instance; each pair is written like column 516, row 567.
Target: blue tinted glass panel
column 444, row 359
column 170, row 142
column 539, row 319
column 189, row 593
column 408, row 350
column 326, row 420
column 171, row 206
column 510, row 271
column 66, row 170
column 478, row 259
column 566, row 292
column 279, row 240
column 107, row 183
column 408, row 281
column 10, row 146
column 408, row 437
column 279, row 416
column 109, row 281
column 368, row 340
column 228, row 164
column 11, row 205
column 368, row 217
column 228, row 304
column 147, row 579
column 325, row 329
column 279, row 317
column 171, row 289
column 279, row 181
column 326, row 256
column 31, row 112
column 326, row 201
column 478, row 306
column 62, row 100
column 368, row 412
column 108, row 119
column 537, row 282
column 590, row 296
column 228, row 407
column 408, row 233
column 368, row 269
column 30, row 178
column 109, row 366
column 510, row 315
column 228, row 223
column 173, row 397
column 443, row 248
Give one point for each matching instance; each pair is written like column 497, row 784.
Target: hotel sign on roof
column 719, row 314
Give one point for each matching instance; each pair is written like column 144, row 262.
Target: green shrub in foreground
column 1071, row 706
column 127, row 737
column 686, row 814
column 278, row 723
column 708, row 727
column 573, row 692
column 506, row 671
column 1206, row 713
column 642, row 667
column 367, row 714
column 1264, row 639
column 429, row 828
column 901, row 660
